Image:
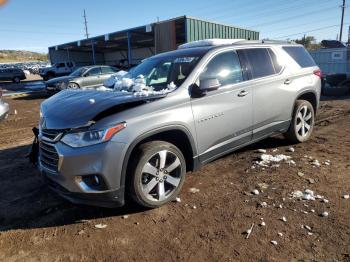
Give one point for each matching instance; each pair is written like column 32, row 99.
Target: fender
column 150, row 133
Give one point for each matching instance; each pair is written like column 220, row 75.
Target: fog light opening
column 91, row 183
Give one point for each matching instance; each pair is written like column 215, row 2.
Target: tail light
column 318, row 73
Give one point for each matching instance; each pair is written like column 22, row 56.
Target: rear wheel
column 302, row 123
column 158, row 174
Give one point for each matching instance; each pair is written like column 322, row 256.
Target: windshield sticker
column 184, row 60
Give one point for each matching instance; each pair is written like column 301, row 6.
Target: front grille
column 48, row 155
column 51, row 134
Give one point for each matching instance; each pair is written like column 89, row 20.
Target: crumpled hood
column 60, row 79
column 75, row 108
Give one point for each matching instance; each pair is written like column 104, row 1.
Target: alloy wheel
column 304, row 121
column 161, row 175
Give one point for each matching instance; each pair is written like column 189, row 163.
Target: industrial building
column 135, row 44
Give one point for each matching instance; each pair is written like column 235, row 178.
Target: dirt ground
column 36, row 225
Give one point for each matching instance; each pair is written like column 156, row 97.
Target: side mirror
column 209, row 84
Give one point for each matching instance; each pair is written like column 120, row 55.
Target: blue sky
column 35, row 25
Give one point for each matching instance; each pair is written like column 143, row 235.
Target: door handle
column 243, row 93
column 287, row 82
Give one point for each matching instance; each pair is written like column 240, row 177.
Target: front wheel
column 302, row 123
column 158, row 174
column 73, row 86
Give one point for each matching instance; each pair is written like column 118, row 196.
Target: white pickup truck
column 57, row 69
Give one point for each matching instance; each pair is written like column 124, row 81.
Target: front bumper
column 103, row 160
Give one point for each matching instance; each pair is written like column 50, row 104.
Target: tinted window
column 259, row 61
column 300, row 55
column 61, row 65
column 94, row 71
column 225, row 67
column 276, row 64
column 108, row 70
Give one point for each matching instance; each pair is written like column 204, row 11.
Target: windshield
column 79, row 72
column 158, row 74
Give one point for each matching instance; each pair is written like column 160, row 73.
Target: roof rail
column 210, row 42
column 219, row 42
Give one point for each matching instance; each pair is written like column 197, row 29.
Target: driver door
column 92, row 77
column 223, row 117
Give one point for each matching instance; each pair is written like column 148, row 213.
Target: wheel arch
column 309, row 96
column 178, row 135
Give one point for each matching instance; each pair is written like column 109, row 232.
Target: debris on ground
column 274, row 242
column 301, row 174
column 80, row 232
column 193, row 190
column 267, row 160
column 306, row 195
column 178, row 200
column 324, row 200
column 125, row 216
column 249, row 231
column 324, row 214
column 311, row 181
column 261, row 151
column 307, row 227
column 327, row 162
column 316, row 163
column 280, row 234
column 291, row 149
column 263, row 186
column 346, row 196
column 255, row 192
column 263, row 204
column 194, row 207
column 284, row 219
column 100, row 226
column 262, row 224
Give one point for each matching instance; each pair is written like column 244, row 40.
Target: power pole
column 86, row 27
column 342, row 21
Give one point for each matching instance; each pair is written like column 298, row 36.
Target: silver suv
column 171, row 114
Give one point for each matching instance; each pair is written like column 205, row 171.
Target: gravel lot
column 36, row 225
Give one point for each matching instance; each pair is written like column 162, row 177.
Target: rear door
column 223, row 118
column 272, row 94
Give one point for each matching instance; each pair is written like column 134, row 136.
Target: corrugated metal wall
column 200, row 29
column 332, row 60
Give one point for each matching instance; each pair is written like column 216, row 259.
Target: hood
column 76, row 108
column 60, row 79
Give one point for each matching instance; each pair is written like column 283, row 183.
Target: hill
column 21, row 56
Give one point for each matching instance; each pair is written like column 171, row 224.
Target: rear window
column 259, row 60
column 300, row 55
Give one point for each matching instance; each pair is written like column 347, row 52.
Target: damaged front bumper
column 88, row 175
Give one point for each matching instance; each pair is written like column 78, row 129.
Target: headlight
column 91, row 137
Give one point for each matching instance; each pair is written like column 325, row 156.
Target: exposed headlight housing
column 91, row 137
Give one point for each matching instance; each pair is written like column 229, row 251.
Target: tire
column 16, row 80
column 302, row 123
column 73, row 86
column 150, row 185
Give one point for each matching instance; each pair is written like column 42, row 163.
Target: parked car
column 84, row 77
column 173, row 113
column 12, row 74
column 4, row 108
column 58, row 69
